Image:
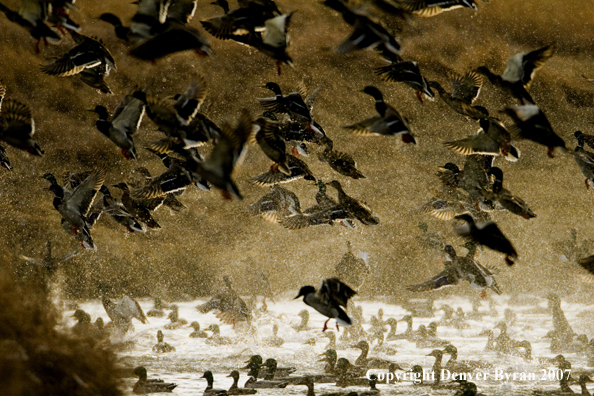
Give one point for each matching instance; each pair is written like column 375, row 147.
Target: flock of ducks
column 286, row 132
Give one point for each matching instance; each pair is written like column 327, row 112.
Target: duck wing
column 467, row 87
column 128, row 115
column 83, row 196
column 332, row 289
column 447, row 277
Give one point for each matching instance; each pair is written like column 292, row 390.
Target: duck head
column 141, row 373
column 273, row 87
column 305, row 290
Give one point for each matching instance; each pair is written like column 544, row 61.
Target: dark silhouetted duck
column 210, row 390
column 487, row 234
column 145, row 385
column 353, row 207
column 462, row 366
column 519, row 73
column 161, row 346
column 532, row 124
column 235, row 389
column 407, row 72
column 387, row 122
column 140, row 208
column 269, row 137
column 298, row 168
column 460, row 268
column 328, row 300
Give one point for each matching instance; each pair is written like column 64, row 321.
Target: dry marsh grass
column 214, row 237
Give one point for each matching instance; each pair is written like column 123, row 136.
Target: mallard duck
column 492, row 139
column 74, row 206
column 342, row 163
column 216, row 338
column 353, row 207
column 48, row 261
column 123, row 124
column 508, row 201
column 197, row 333
column 268, row 136
column 380, row 347
column 218, row 166
column 369, row 363
column 487, row 234
column 88, row 54
column 157, row 311
column 161, row 346
column 145, row 385
column 532, row 124
column 140, row 208
column 302, row 326
column 519, row 73
column 252, row 381
column 118, row 212
column 465, row 90
column 255, row 365
column 273, row 40
column 328, row 300
column 122, row 313
column 460, row 268
column 367, row 33
column 17, row 128
column 230, row 306
column 464, row 366
column 276, row 204
column 209, row 390
column 387, row 122
column 295, row 104
column 407, row 72
column 298, row 168
column 236, row 390
column 33, row 23
column 175, row 321
column 174, row 180
column 436, row 369
column 271, row 372
column 584, row 159
column 429, row 8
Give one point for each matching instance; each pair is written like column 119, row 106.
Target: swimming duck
column 460, row 268
column 216, row 338
column 48, row 261
column 490, row 345
column 140, row 208
column 353, row 207
column 122, row 313
column 519, row 73
column 157, row 310
column 392, row 336
column 88, row 54
column 74, row 206
column 465, row 90
column 532, row 124
column 197, row 333
column 429, row 8
column 503, row 342
column 209, row 390
column 174, row 320
column 328, row 300
column 349, row 374
column 387, row 122
column 123, row 123
column 230, row 306
column 83, row 325
column 34, row 23
column 236, row 390
column 508, row 201
column 302, row 326
column 562, row 331
column 161, row 346
column 145, row 385
column 407, row 72
column 329, row 357
column 370, row 363
column 298, row 168
column 464, row 366
column 276, row 204
column 380, row 347
column 584, row 159
column 17, row 128
column 438, row 355
column 487, row 234
column 367, row 33
column 274, row 340
column 262, row 384
column 424, row 340
column 492, row 139
column 259, row 370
